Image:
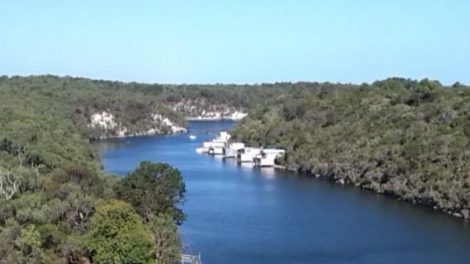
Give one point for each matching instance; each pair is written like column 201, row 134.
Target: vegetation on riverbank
column 99, row 109
column 401, row 137
column 71, row 215
column 55, row 201
column 56, row 204
column 409, row 139
column 134, row 108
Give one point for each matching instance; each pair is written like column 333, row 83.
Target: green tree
column 152, row 189
column 117, row 235
column 29, row 241
column 167, row 242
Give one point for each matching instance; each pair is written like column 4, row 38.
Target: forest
column 57, row 205
column 404, row 138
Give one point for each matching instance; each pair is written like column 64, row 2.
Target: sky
column 237, row 41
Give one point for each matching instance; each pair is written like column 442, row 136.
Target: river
column 242, row 215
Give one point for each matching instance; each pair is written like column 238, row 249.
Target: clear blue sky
column 237, row 41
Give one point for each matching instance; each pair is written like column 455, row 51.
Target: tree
column 153, row 189
column 29, row 242
column 117, row 235
column 167, row 242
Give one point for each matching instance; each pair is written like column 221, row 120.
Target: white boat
column 216, row 151
column 214, row 144
column 218, row 145
column 224, row 136
column 248, row 154
column 202, row 150
column 233, row 149
column 267, row 157
column 192, row 137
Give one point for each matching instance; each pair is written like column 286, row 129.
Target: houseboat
column 215, row 146
column 247, row 154
column 267, row 157
column 233, row 149
column 216, row 151
column 221, row 146
column 202, row 150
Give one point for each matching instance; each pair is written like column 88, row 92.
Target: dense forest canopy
column 402, row 137
column 405, row 138
column 134, row 105
column 54, row 196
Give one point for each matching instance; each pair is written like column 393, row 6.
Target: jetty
column 222, row 146
column 190, row 259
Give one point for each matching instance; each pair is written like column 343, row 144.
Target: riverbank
column 237, row 214
column 218, row 116
column 464, row 213
column 403, row 138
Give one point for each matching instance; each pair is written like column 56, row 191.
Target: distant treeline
column 409, row 139
column 132, row 104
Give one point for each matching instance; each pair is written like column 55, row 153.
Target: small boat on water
column 216, row 151
column 192, row 137
column 202, row 150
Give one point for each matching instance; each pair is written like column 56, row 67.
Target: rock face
column 219, row 116
column 107, row 124
column 150, row 119
column 104, row 124
column 103, row 120
column 465, row 213
column 201, row 109
column 166, row 122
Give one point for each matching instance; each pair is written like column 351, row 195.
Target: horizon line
column 228, row 83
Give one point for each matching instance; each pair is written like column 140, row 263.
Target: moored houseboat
column 247, row 155
column 267, row 157
column 232, row 150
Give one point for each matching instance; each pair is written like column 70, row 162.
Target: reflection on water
column 240, row 214
column 217, row 157
column 269, row 173
column 246, row 166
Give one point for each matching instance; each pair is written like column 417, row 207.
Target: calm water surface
column 238, row 214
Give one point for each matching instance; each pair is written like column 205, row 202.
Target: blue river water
column 238, row 214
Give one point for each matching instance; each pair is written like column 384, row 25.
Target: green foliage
column 29, row 241
column 45, row 151
column 401, row 137
column 153, row 189
column 117, row 235
column 166, row 241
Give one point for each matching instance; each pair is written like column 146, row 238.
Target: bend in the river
column 238, row 214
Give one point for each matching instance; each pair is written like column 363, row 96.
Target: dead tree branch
column 9, row 184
